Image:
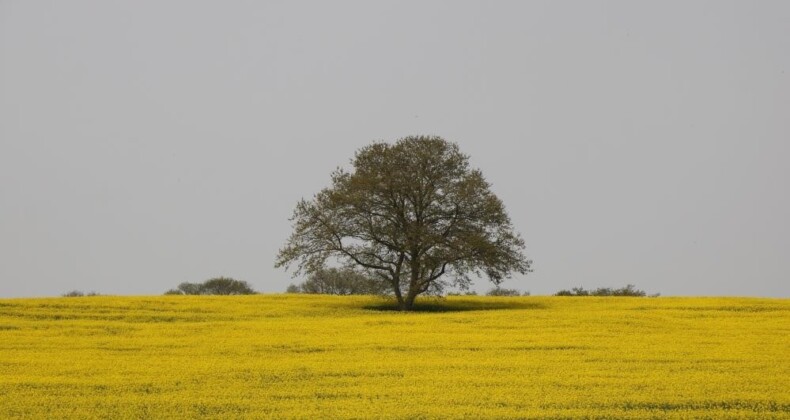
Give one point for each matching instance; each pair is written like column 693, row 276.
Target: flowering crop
column 300, row 356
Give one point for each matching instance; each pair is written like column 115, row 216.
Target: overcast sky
column 148, row 143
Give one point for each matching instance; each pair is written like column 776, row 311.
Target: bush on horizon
column 214, row 286
column 628, row 290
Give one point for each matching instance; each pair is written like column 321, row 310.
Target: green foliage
column 215, row 286
column 345, row 281
column 187, row 288
column 79, row 293
column 629, row 290
column 412, row 214
column 466, row 293
column 226, row 286
column 498, row 291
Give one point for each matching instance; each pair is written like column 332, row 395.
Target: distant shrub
column 576, row 291
column 226, row 286
column 629, row 290
column 79, row 293
column 498, row 291
column 215, row 286
column 333, row 281
column 187, row 288
column 466, row 293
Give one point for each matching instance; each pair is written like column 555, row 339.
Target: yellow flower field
column 301, row 356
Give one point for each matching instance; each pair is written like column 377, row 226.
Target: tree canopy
column 333, row 281
column 414, row 215
column 214, row 286
column 629, row 290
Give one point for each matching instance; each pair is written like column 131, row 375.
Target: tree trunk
column 403, row 306
column 408, row 303
column 411, row 295
column 398, row 294
column 401, row 302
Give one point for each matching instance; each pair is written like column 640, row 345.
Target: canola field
column 301, row 356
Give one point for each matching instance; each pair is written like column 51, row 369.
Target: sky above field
column 148, row 143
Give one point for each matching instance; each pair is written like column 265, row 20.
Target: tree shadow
column 459, row 305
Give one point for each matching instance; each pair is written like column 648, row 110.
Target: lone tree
column 414, row 215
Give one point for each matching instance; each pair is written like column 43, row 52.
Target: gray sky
column 147, row 143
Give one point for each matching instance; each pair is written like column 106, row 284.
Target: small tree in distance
column 498, row 291
column 79, row 293
column 411, row 214
column 333, row 281
column 215, row 286
column 629, row 290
